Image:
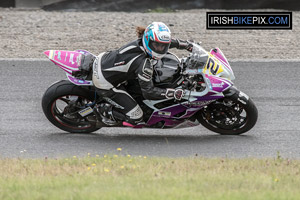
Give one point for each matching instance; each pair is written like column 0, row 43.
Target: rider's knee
column 104, row 93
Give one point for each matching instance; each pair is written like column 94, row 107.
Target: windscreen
column 197, row 60
column 199, row 50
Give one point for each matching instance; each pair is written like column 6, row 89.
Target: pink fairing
column 220, row 56
column 69, row 61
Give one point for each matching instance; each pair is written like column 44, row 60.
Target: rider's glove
column 174, row 93
column 189, row 46
column 185, row 44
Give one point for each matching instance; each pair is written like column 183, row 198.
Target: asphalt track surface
column 25, row 131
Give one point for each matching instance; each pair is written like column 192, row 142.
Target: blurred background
column 30, row 28
column 144, row 6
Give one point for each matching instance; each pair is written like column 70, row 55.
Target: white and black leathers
column 127, row 63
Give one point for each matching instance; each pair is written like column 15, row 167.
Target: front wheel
column 61, row 104
column 232, row 115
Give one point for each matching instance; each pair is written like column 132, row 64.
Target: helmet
column 157, row 39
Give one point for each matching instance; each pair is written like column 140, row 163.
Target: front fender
column 231, row 91
column 237, row 94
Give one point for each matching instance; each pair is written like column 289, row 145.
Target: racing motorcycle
column 210, row 99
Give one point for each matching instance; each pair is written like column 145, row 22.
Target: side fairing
column 218, row 84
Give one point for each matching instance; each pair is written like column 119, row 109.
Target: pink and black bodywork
column 210, row 97
column 69, row 61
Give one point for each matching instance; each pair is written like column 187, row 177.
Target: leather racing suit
column 113, row 68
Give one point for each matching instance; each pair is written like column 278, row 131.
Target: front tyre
column 61, row 103
column 232, row 115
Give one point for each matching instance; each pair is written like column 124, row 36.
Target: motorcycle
column 210, row 99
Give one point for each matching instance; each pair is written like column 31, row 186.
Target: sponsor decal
column 218, row 85
column 199, row 103
column 164, row 113
column 95, row 72
column 58, row 54
column 71, row 58
column 78, row 60
column 119, row 63
column 165, row 37
column 86, row 111
column 249, row 20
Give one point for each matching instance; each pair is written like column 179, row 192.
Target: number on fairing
column 212, row 66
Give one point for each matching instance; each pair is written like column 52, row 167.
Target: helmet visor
column 158, row 47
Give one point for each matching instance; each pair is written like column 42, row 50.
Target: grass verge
column 127, row 177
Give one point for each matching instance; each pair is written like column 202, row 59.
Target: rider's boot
column 126, row 121
column 137, row 123
column 110, row 117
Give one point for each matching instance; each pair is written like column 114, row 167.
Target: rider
column 114, row 68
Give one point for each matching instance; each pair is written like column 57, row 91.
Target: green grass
column 139, row 178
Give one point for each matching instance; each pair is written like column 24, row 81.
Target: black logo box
column 249, row 20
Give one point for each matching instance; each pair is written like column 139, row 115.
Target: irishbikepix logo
column 249, row 20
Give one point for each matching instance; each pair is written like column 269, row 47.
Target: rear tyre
column 231, row 115
column 61, row 103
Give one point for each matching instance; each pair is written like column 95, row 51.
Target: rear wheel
column 229, row 116
column 61, row 104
